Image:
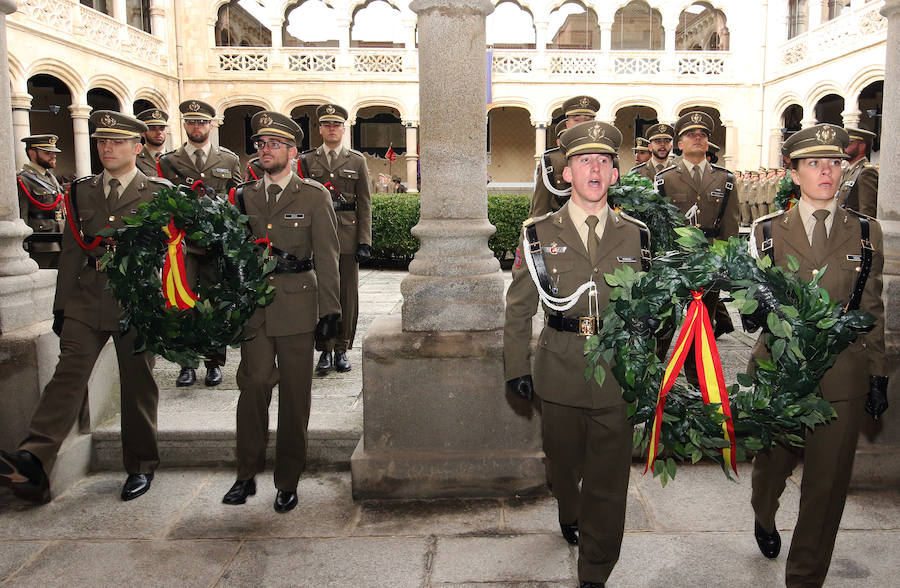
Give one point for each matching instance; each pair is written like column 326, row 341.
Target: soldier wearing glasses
column 40, row 199
column 219, row 170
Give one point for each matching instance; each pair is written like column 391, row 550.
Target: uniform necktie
column 331, row 157
column 113, row 195
column 695, row 174
column 593, row 241
column 198, row 159
column 819, row 234
column 273, row 190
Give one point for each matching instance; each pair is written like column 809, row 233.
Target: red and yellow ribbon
column 176, row 290
column 697, row 331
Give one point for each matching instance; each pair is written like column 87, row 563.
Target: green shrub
column 394, row 215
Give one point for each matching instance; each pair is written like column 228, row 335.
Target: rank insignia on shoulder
column 555, row 249
column 292, row 216
column 626, row 259
column 518, row 261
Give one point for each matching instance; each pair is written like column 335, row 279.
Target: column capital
column 484, row 7
column 80, row 110
column 539, row 124
column 20, row 101
column 890, row 8
column 8, row 6
column 410, row 124
column 605, row 25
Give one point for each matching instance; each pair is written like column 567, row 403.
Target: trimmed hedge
column 394, row 215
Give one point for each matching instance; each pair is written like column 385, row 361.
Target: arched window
column 297, row 31
column 798, row 15
column 573, row 26
column 638, row 26
column 376, row 24
column 701, row 28
column 238, row 25
column 510, row 27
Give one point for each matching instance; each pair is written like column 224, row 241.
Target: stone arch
column 529, row 38
column 113, row 85
column 305, row 100
column 865, row 77
column 786, row 100
column 288, row 39
column 569, row 34
column 240, row 100
column 254, row 32
column 376, row 101
column 394, row 38
column 153, row 95
column 822, row 89
column 704, row 32
column 17, row 79
column 655, row 35
column 354, row 6
column 695, row 103
column 515, row 102
column 648, row 101
column 64, row 72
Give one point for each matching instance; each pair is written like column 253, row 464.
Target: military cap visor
column 196, row 110
column 42, row 142
column 560, row 128
column 641, row 144
column 332, row 113
column 153, row 117
column 581, row 105
column 275, row 124
column 109, row 124
column 591, row 137
column 860, row 135
column 822, row 140
column 660, row 131
column 694, row 120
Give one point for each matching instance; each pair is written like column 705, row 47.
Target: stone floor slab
column 15, row 554
column 872, row 510
column 356, row 561
column 864, row 558
column 523, row 558
column 429, row 517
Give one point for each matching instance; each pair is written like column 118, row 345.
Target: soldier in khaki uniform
column 771, row 189
column 641, row 151
column 85, row 316
column 817, row 232
column 220, row 170
column 660, row 142
column 157, row 122
column 859, row 182
column 40, row 199
column 586, row 434
column 296, row 217
column 742, row 189
column 703, row 191
column 345, row 174
column 551, row 190
column 755, row 188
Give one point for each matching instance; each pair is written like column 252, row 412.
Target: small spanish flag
column 176, row 290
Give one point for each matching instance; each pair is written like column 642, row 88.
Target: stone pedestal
column 436, row 419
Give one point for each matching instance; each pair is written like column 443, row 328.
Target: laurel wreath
column 133, row 268
column 776, row 402
column 788, row 193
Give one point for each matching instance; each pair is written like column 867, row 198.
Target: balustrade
column 836, row 37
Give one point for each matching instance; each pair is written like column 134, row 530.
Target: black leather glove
column 523, row 386
column 759, row 317
column 58, row 320
column 363, row 252
column 326, row 329
column 876, row 401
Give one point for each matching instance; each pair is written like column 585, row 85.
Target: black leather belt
column 41, row 215
column 293, row 266
column 343, row 206
column 583, row 325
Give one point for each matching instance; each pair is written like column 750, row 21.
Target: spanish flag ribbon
column 176, row 290
column 697, row 331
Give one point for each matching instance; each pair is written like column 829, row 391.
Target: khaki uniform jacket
column 80, row 288
column 849, row 377
column 559, row 360
column 648, row 169
column 350, row 175
column 860, row 195
column 544, row 201
column 221, row 170
column 303, row 224
column 146, row 162
column 45, row 189
column 678, row 185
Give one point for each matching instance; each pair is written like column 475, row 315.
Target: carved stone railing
column 636, row 62
column 574, row 63
column 512, row 62
column 243, row 59
column 74, row 22
column 838, row 36
column 377, row 61
column 304, row 60
column 701, row 63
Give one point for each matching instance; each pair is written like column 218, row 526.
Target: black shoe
column 240, row 491
column 324, row 364
column 213, row 376
column 570, row 532
column 24, row 473
column 769, row 543
column 285, row 501
column 591, row 585
column 187, row 377
column 135, row 485
column 341, row 363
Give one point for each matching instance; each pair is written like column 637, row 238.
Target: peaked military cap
column 109, row 124
column 196, row 110
column 591, row 137
column 560, row 128
column 860, row 135
column 695, row 120
column 659, row 131
column 581, row 105
column 153, row 117
column 822, row 140
column 331, row 112
column 641, row 144
column 275, row 124
column 42, row 142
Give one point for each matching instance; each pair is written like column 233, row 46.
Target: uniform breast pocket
column 349, row 174
column 293, row 231
column 317, row 173
column 90, row 221
column 221, row 172
column 851, row 264
column 560, row 272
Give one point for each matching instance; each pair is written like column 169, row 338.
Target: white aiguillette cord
column 560, row 304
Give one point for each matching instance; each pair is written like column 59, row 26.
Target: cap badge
column 329, row 109
column 825, row 134
column 584, row 102
column 265, row 120
column 663, row 129
column 52, row 141
column 156, row 114
column 696, row 118
column 108, row 121
column 596, row 132
column 194, row 106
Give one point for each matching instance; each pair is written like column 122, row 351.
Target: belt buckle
column 586, row 326
column 866, row 244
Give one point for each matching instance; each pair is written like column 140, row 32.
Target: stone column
column 276, row 26
column 347, row 140
column 119, row 10
column 851, row 117
column 815, row 14
column 606, row 63
column 731, row 144
column 775, row 148
column 540, row 45
column 158, row 24
column 344, row 61
column 21, row 103
column 410, row 60
column 669, row 60
column 810, row 117
column 80, row 115
column 412, row 157
column 436, row 421
column 877, row 463
column 540, row 140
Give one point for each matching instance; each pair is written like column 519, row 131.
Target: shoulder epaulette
column 308, row 151
column 356, row 152
column 775, row 214
column 639, row 166
column 716, row 166
column 551, row 150
column 665, row 169
column 227, row 150
column 631, row 219
column 159, row 180
column 84, row 178
column 534, row 219
column 861, row 215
